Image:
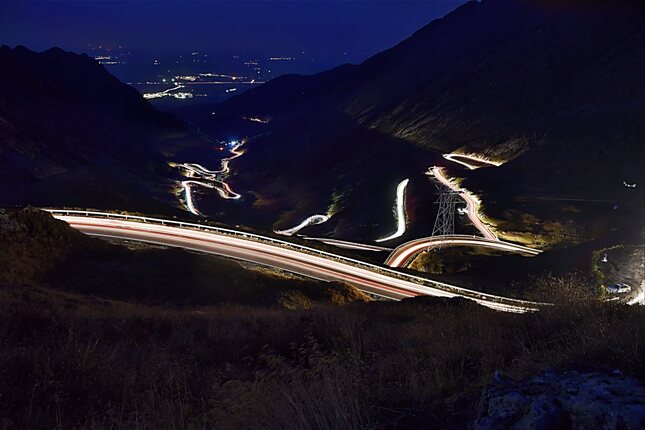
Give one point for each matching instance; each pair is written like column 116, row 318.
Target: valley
column 311, row 215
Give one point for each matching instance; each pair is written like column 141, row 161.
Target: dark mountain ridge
column 553, row 88
column 523, row 59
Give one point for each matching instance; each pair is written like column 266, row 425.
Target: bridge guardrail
column 404, row 276
column 429, row 240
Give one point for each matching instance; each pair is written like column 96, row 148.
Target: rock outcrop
column 569, row 400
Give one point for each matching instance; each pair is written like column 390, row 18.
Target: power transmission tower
column 444, row 224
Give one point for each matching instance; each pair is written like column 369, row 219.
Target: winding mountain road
column 311, row 220
column 369, row 278
column 213, row 177
column 404, row 254
column 400, row 215
column 472, row 202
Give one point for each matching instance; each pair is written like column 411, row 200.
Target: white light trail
column 189, row 197
column 190, row 205
column 195, row 170
column 312, row 220
column 226, row 192
column 472, row 202
column 201, row 170
column 455, row 158
column 400, row 212
column 401, row 255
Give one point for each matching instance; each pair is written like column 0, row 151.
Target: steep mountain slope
column 555, row 87
column 72, row 134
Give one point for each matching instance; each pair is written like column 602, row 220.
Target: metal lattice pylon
column 444, row 224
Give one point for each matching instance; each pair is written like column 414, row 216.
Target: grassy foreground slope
column 84, row 362
column 80, row 359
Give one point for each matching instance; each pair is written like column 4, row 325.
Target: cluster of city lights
column 169, row 93
column 256, row 119
column 107, row 60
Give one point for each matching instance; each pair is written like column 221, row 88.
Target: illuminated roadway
column 400, row 212
column 310, row 262
column 198, row 171
column 403, row 254
column 471, row 162
column 472, row 202
column 312, row 220
column 188, row 195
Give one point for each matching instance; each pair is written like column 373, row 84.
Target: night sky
column 334, row 32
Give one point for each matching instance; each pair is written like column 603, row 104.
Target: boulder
column 567, row 400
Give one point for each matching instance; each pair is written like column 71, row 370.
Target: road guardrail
column 265, row 239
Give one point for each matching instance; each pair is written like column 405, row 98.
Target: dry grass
column 93, row 336
column 71, row 361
